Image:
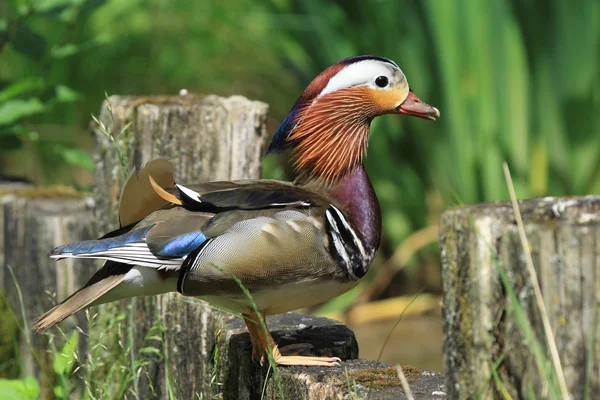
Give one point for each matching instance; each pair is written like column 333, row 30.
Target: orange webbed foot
column 308, row 361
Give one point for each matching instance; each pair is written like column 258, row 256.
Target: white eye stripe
column 362, row 73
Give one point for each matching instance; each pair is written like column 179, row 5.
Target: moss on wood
column 479, row 322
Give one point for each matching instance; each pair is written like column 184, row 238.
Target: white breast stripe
column 196, row 261
column 357, row 242
column 339, row 246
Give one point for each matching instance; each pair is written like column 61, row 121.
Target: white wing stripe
column 189, row 192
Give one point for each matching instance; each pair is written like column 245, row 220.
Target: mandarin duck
column 291, row 245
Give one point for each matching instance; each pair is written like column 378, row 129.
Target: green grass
column 108, row 131
column 493, row 375
column 263, row 326
column 549, row 335
column 72, row 368
column 353, row 393
column 545, row 368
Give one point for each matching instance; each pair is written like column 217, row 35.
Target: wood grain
column 479, row 320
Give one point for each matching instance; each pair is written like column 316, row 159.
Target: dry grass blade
column 404, row 382
column 536, row 287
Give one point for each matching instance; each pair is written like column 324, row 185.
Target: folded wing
column 196, row 238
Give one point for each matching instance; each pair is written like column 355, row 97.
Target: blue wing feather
column 96, row 246
column 180, row 246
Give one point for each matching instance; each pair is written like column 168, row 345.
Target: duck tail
column 103, row 281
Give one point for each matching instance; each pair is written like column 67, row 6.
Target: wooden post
column 207, row 138
column 34, row 221
column 480, row 321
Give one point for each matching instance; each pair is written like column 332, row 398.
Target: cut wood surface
column 207, row 138
column 480, row 321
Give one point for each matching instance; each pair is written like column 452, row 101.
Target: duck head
column 327, row 130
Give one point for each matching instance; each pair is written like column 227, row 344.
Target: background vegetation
column 515, row 80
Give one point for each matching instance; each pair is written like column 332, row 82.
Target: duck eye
column 381, row 81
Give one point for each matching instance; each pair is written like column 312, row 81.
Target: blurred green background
column 515, row 80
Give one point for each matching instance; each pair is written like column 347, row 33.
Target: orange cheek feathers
column 331, row 136
column 387, row 100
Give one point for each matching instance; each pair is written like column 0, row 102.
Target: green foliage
column 505, row 92
column 12, row 111
column 514, row 80
column 107, row 131
column 19, row 389
column 9, row 347
column 63, row 365
column 33, row 37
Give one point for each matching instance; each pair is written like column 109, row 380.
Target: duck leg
column 262, row 341
column 253, row 326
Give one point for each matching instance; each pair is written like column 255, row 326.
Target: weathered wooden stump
column 35, row 220
column 207, row 138
column 241, row 379
column 9, row 329
column 7, row 195
column 481, row 324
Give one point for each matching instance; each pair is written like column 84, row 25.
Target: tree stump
column 7, row 195
column 243, row 379
column 207, row 138
column 35, row 220
column 480, row 320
